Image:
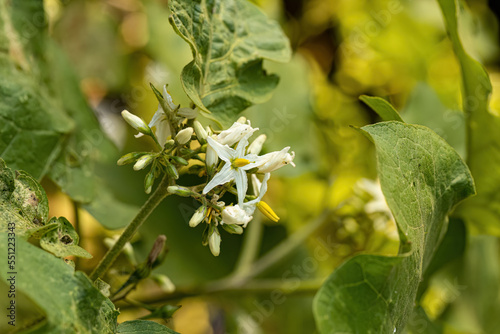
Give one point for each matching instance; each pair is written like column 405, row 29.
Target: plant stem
column 159, row 194
column 250, row 249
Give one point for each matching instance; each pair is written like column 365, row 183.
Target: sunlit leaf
column 422, row 178
column 229, row 41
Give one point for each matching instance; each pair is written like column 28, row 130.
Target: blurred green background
column 342, row 49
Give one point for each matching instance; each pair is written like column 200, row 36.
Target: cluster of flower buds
column 229, row 162
column 173, row 131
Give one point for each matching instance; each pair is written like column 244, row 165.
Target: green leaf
column 69, row 300
column 229, row 41
column 482, row 129
column 383, row 108
column 73, row 170
column 32, row 127
column 23, row 202
column 143, row 326
column 422, row 178
column 63, row 240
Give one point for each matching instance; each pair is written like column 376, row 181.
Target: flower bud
column 198, row 216
column 211, row 158
column 256, row 146
column 201, row 134
column 148, row 182
column 136, row 122
column 169, row 144
column 143, row 162
column 129, row 158
column 172, row 171
column 164, row 283
column 242, row 120
column 180, row 160
column 233, row 229
column 181, row 191
column 184, row 135
column 214, row 242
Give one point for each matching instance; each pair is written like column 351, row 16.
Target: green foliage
column 483, row 150
column 23, row 202
column 63, row 240
column 143, row 326
column 70, row 302
column 383, row 108
column 229, row 41
column 422, row 178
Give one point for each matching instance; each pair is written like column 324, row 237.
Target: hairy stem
column 159, row 194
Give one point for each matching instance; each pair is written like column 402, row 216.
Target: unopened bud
column 136, row 122
column 164, row 283
column 256, row 146
column 184, row 135
column 201, row 133
column 211, row 158
column 148, row 182
column 198, row 216
column 129, row 158
column 232, row 228
column 179, row 160
column 172, row 171
column 169, row 144
column 143, row 162
column 180, row 191
column 242, row 120
column 214, row 241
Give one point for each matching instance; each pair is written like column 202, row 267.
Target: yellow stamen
column 267, row 211
column 240, row 162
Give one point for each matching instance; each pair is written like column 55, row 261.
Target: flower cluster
column 230, row 160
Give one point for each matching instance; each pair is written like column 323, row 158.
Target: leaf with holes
column 229, row 41
column 422, row 178
column 63, row 240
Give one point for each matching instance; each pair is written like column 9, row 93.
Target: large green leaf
column 229, row 40
column 68, row 299
column 143, row 326
column 422, row 178
column 483, row 132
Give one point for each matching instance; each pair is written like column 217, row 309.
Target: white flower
column 242, row 215
column 235, row 167
column 235, row 133
column 377, row 203
column 275, row 160
column 160, row 122
column 235, row 215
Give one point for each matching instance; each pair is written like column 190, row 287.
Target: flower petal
column 223, row 151
column 241, row 184
column 225, row 175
